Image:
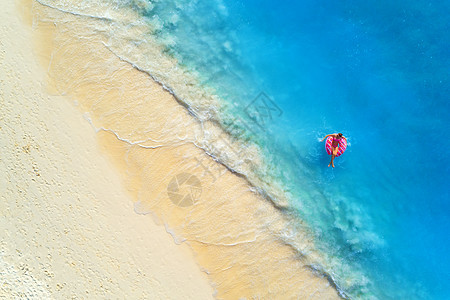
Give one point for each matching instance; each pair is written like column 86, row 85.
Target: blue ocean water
column 377, row 71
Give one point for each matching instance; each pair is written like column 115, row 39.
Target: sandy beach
column 68, row 226
column 105, row 193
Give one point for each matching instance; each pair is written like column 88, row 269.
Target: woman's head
column 339, row 134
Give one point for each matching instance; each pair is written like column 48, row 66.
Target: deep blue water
column 376, row 71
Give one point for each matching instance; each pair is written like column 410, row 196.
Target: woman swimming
column 337, row 137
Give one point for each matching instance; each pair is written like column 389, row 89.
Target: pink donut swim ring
column 342, row 146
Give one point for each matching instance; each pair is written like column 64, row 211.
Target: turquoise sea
column 377, row 71
column 288, row 73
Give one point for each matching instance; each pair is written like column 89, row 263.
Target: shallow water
column 291, row 73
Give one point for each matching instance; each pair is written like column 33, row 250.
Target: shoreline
column 240, row 224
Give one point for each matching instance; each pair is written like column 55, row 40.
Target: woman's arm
column 326, row 137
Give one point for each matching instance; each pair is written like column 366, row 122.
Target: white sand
column 67, row 228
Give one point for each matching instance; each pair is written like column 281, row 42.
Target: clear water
column 376, row 71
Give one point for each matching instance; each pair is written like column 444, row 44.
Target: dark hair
column 339, row 134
